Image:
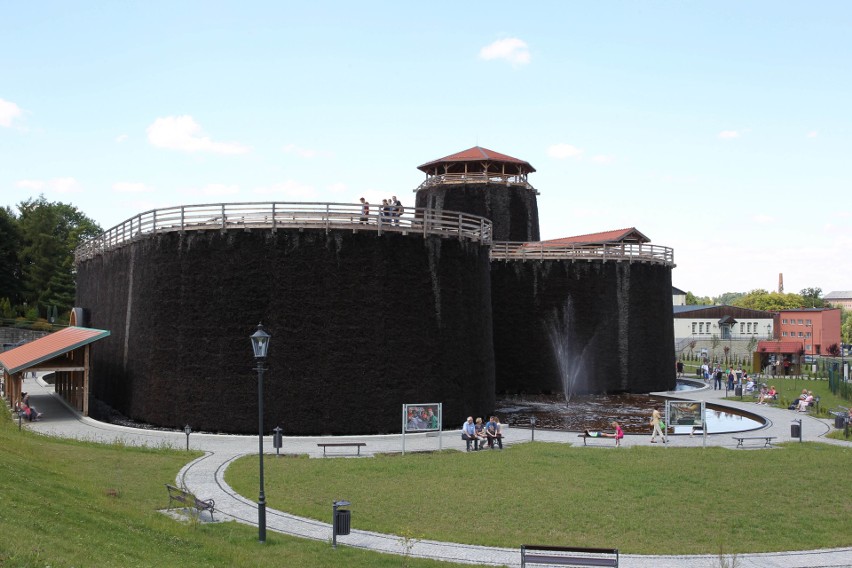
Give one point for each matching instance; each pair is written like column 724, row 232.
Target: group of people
column 390, row 211
column 617, row 433
column 480, row 435
column 806, row 399
column 719, row 375
column 767, row 394
column 25, row 409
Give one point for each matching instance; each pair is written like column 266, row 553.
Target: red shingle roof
column 779, row 346
column 48, row 347
column 617, row 236
column 477, row 154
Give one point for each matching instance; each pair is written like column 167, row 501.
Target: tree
column 728, row 298
column 10, row 266
column 714, row 343
column 760, row 299
column 693, row 300
column 846, row 326
column 49, row 233
column 812, row 298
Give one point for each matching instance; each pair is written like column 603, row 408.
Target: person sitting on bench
column 768, row 395
column 469, row 434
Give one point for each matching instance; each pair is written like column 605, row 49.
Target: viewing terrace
column 616, row 251
column 288, row 216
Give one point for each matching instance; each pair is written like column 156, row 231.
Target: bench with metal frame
column 325, row 445
column 187, row 499
column 766, row 444
column 568, row 556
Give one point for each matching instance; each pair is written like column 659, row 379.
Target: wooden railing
column 630, row 252
column 475, row 177
column 225, row 216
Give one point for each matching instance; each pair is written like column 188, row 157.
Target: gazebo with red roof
column 483, row 182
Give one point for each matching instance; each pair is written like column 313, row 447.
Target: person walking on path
column 655, row 425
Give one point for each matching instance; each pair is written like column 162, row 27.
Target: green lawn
column 66, row 504
column 641, row 500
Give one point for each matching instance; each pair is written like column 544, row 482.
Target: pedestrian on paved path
column 655, row 426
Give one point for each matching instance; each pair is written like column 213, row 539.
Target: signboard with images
column 686, row 416
column 422, row 418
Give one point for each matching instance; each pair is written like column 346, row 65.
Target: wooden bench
column 766, row 444
column 568, row 556
column 187, row 499
column 324, row 445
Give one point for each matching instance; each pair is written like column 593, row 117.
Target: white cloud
column 130, row 187
column 121, row 138
column 183, row 133
column 301, row 152
column 603, row 159
column 729, row 134
column 512, row 49
column 9, row 111
column 562, row 151
column 55, row 185
column 812, row 134
column 289, row 188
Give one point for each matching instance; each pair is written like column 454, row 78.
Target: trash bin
column 277, row 438
column 839, row 421
column 342, row 522
column 796, row 430
column 738, row 391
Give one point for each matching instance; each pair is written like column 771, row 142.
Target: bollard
column 187, row 430
column 532, row 425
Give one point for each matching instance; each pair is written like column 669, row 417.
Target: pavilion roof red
column 779, row 346
column 476, row 154
column 630, row 234
column 48, row 347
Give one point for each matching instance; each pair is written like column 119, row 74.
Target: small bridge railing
column 225, row 216
column 631, row 252
column 476, row 177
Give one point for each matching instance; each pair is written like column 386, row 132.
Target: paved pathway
column 205, row 476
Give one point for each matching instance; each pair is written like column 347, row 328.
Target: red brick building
column 816, row 330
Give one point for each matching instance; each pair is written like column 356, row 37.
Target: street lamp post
column 187, row 430
column 260, row 345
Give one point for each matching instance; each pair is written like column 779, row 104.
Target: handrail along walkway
column 620, row 252
column 278, row 215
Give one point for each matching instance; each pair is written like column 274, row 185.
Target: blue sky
column 720, row 129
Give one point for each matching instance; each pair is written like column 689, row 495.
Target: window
column 783, row 334
column 807, row 334
column 801, row 334
column 701, row 327
column 784, row 322
column 808, row 347
column 693, row 328
column 800, row 322
column 808, row 322
column 742, row 328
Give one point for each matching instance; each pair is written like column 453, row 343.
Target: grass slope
column 68, row 504
column 644, row 500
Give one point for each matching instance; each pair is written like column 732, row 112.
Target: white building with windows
column 697, row 328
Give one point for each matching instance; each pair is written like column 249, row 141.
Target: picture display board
column 421, row 417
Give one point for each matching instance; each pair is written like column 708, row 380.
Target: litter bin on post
column 796, row 429
column 738, row 391
column 277, row 439
column 839, row 421
column 341, row 521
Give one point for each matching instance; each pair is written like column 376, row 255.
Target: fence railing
column 475, row 177
column 225, row 216
column 654, row 254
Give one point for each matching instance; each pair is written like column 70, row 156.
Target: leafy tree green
column 812, row 298
column 49, row 233
column 728, row 298
column 846, row 326
column 10, row 266
column 693, row 300
column 760, row 299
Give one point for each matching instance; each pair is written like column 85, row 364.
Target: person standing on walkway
column 365, row 211
column 717, row 382
column 655, row 426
